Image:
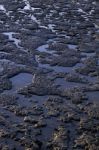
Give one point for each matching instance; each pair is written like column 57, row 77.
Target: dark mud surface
column 49, row 75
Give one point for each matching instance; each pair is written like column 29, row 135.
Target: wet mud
column 49, row 75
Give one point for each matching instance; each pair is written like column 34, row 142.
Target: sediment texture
column 49, row 75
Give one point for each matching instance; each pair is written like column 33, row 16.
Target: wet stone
column 5, row 84
column 40, row 86
column 87, row 141
column 75, row 78
column 7, row 99
column 60, row 138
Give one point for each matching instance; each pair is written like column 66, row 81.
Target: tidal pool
column 13, row 39
column 21, row 80
column 93, row 96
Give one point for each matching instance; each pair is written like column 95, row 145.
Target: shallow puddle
column 62, row 69
column 47, row 132
column 93, row 96
column 67, row 84
column 56, row 68
column 41, row 120
column 88, row 54
column 43, row 48
column 21, row 80
column 13, row 39
column 71, row 46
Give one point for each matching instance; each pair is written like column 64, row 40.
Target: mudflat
column 49, row 75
